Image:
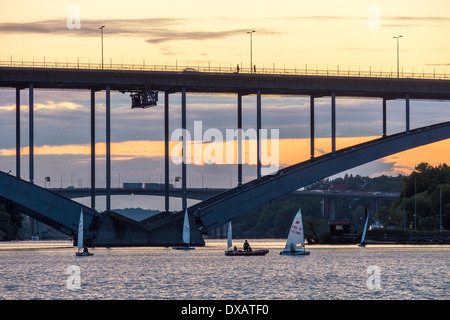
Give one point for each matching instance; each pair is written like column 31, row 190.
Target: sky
column 349, row 35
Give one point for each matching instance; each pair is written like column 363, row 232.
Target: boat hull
column 83, row 254
column 239, row 253
column 294, row 253
column 183, row 248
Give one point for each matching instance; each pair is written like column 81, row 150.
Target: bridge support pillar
column 31, row 132
column 258, row 135
column 329, row 208
column 239, row 148
column 384, row 118
column 18, row 133
column 166, row 150
column 333, row 122
column 311, row 125
column 183, row 165
column 407, row 113
column 92, row 148
column 108, row 149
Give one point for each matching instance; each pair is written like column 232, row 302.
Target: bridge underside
column 165, row 229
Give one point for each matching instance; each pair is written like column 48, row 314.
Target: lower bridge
column 165, row 229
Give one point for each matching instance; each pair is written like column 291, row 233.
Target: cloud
column 156, row 30
column 386, row 21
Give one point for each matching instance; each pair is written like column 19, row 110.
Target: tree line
column 424, row 203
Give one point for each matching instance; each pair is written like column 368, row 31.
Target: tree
column 422, row 195
column 10, row 223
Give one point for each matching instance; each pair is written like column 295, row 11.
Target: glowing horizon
column 292, row 151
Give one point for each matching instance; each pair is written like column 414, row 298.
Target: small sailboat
column 186, row 234
column 235, row 252
column 363, row 238
column 80, row 253
column 229, row 236
column 296, row 237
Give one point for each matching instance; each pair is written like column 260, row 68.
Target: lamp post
column 251, row 50
column 398, row 54
column 101, row 29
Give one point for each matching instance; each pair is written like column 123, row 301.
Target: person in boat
column 85, row 249
column 246, row 246
column 235, row 248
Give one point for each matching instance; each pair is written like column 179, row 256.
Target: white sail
column 186, row 229
column 230, row 236
column 80, row 231
column 365, row 229
column 296, row 234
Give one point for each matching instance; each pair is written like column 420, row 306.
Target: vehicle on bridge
column 132, row 185
column 147, row 186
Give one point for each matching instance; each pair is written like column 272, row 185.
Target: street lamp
column 251, row 49
column 398, row 70
column 101, row 29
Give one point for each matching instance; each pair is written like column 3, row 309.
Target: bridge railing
column 208, row 68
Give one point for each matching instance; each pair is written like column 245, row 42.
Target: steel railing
column 207, row 67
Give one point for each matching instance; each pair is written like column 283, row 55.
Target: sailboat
column 186, row 234
column 296, row 237
column 80, row 239
column 235, row 252
column 363, row 238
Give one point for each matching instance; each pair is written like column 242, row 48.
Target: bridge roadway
column 206, row 193
column 209, row 82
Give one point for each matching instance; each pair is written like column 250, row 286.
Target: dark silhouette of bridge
column 206, row 193
column 111, row 229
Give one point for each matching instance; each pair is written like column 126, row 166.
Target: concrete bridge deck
column 209, row 82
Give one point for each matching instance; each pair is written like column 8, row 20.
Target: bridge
column 111, row 229
column 206, row 193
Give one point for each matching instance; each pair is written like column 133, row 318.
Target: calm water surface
column 38, row 270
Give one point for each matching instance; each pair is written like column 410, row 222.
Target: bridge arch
column 216, row 211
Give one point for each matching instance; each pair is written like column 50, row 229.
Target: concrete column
column 31, row 132
column 239, row 125
column 333, row 122
column 108, row 149
column 92, row 148
column 258, row 136
column 311, row 125
column 183, row 165
column 18, row 133
column 329, row 208
column 166, row 150
column 407, row 113
column 384, row 118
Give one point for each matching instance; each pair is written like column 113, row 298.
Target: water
column 38, row 270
